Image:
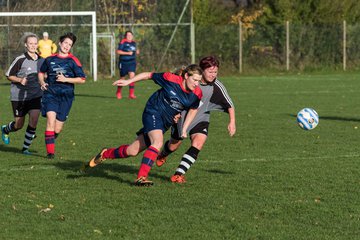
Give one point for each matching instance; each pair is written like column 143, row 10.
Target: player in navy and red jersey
column 177, row 93
column 127, row 51
column 215, row 97
column 63, row 70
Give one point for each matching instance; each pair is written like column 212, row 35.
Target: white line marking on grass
column 28, row 168
column 286, row 158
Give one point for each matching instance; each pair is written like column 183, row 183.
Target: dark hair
column 69, row 35
column 190, row 70
column 209, row 61
column 125, row 34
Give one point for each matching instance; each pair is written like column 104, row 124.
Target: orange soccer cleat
column 178, row 179
column 160, row 160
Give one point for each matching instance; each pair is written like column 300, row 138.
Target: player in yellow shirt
column 46, row 46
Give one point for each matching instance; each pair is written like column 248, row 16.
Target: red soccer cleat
column 160, row 160
column 178, row 179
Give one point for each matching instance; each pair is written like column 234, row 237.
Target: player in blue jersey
column 62, row 70
column 127, row 51
column 177, row 93
column 25, row 94
column 215, row 97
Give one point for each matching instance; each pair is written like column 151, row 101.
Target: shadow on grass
column 9, row 149
column 335, row 118
column 96, row 96
column 103, row 171
column 217, row 171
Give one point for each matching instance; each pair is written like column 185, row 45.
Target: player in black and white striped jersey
column 215, row 97
column 25, row 92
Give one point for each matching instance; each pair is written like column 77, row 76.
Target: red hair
column 209, row 61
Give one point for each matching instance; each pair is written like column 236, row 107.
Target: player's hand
column 121, row 83
column 61, row 78
column 177, row 118
column 184, row 135
column 23, row 81
column 44, row 86
column 232, row 129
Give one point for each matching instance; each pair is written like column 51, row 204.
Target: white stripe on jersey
column 13, row 63
column 224, row 92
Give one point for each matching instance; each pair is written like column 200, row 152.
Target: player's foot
column 26, row 152
column 143, row 182
column 178, row 179
column 51, row 156
column 97, row 159
column 5, row 137
column 132, row 96
column 160, row 160
column 118, row 94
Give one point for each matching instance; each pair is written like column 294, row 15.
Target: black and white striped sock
column 187, row 160
column 29, row 136
column 10, row 127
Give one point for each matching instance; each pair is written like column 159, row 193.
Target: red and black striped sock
column 149, row 157
column 50, row 142
column 119, row 152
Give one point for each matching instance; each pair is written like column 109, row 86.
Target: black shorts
column 21, row 108
column 201, row 127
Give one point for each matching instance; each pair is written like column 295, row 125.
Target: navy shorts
column 153, row 120
column 21, row 108
column 125, row 68
column 60, row 104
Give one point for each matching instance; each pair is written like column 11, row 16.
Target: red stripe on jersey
column 77, row 61
column 125, row 40
column 197, row 91
column 173, row 78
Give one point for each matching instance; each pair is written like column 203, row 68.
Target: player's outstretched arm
column 232, row 123
column 137, row 78
column 189, row 117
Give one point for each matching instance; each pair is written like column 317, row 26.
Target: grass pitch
column 271, row 181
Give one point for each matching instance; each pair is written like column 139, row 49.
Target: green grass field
column 271, row 181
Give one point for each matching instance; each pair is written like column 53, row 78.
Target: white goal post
column 78, row 13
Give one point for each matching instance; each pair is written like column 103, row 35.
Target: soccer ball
column 307, row 118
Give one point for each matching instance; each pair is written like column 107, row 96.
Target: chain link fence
column 262, row 49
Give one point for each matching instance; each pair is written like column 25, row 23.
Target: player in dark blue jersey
column 127, row 51
column 215, row 97
column 177, row 93
column 62, row 70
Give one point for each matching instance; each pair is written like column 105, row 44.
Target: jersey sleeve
column 120, row 46
column 44, row 67
column 15, row 67
column 220, row 100
column 77, row 68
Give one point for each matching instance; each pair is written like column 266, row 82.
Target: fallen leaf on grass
column 45, row 210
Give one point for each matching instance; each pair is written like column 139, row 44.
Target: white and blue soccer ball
column 307, row 118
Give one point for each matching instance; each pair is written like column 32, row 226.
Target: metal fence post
column 240, row 46
column 344, row 45
column 287, row 46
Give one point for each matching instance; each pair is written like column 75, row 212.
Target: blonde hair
column 190, row 70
